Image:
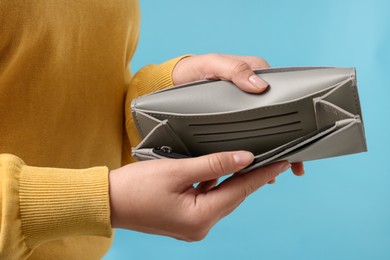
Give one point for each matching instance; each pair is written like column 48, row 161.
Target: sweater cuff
column 158, row 77
column 56, row 203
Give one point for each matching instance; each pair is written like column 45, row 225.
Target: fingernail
column 243, row 158
column 258, row 82
column 284, row 166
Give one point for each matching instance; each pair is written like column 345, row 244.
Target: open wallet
column 307, row 113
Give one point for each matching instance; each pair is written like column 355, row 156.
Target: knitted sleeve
column 42, row 204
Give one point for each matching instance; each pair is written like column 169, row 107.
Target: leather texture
column 307, row 113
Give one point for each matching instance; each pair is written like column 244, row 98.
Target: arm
column 42, row 204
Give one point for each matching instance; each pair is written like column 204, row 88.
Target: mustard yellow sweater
column 63, row 82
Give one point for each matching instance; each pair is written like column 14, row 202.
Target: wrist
column 186, row 71
column 112, row 199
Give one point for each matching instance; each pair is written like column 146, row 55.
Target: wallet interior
column 257, row 130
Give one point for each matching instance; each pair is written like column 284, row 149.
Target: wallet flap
column 223, row 96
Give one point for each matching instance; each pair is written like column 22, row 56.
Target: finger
column 235, row 70
column 253, row 61
column 206, row 186
column 298, row 168
column 212, row 166
column 231, row 192
column 272, row 181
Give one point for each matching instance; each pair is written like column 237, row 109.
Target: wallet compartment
column 320, row 122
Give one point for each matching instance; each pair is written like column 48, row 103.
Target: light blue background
column 341, row 208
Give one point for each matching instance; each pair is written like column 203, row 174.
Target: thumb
column 213, row 166
column 243, row 76
column 239, row 71
column 235, row 189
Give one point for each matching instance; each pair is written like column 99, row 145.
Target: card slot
column 235, row 138
column 255, row 144
column 245, row 121
column 256, row 130
column 247, row 130
column 215, row 126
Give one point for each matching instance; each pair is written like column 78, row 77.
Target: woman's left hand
column 238, row 69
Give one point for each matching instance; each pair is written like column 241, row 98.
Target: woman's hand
column 159, row 196
column 238, row 69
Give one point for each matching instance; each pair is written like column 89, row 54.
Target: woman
column 64, row 79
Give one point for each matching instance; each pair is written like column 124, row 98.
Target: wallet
column 307, row 113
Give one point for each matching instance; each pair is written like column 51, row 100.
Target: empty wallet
column 307, row 113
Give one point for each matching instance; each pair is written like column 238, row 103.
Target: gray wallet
column 307, row 113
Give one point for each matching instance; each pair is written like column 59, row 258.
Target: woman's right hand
column 159, row 196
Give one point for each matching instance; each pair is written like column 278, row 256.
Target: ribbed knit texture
column 64, row 76
column 12, row 244
column 57, row 203
column 160, row 78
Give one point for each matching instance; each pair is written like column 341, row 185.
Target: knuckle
column 209, row 68
column 212, row 56
column 240, row 67
column 271, row 174
column 216, row 165
column 260, row 62
column 172, row 168
column 248, row 189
